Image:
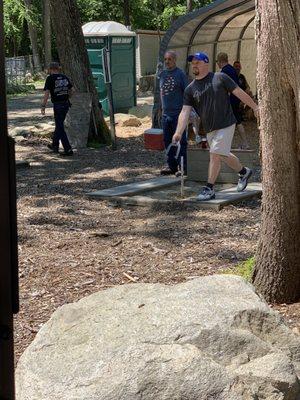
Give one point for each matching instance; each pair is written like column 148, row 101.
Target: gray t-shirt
column 210, row 99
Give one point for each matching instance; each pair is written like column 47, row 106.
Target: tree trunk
column 189, row 5
column 47, row 33
column 33, row 39
column 127, row 12
column 74, row 58
column 277, row 271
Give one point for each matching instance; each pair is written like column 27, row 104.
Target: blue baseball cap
column 199, row 56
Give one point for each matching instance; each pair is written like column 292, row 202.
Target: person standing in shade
column 60, row 88
column 208, row 95
column 172, row 83
column 226, row 68
column 243, row 84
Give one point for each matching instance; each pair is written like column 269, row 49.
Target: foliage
column 144, row 14
column 17, row 88
column 16, row 16
column 245, row 269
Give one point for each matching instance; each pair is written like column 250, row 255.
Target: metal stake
column 182, row 177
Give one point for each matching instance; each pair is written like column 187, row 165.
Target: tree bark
column 74, row 58
column 189, row 5
column 47, row 33
column 33, row 39
column 127, row 12
column 277, row 270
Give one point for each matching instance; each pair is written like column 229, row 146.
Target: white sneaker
column 206, row 194
column 243, row 180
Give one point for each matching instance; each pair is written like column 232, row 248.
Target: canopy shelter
column 224, row 25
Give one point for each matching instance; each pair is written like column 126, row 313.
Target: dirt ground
column 70, row 246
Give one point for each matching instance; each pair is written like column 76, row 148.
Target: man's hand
column 176, row 138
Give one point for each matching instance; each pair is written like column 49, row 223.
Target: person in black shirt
column 222, row 61
column 60, row 88
column 243, row 84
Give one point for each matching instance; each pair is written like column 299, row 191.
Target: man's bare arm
column 182, row 123
column 246, row 99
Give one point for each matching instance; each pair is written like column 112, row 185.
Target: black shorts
column 237, row 113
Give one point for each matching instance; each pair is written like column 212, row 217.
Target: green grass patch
column 244, row 269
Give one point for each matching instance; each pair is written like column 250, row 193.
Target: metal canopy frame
column 200, row 14
column 183, row 35
column 221, row 30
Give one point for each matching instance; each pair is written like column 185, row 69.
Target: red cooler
column 154, row 139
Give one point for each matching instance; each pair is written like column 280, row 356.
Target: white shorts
column 220, row 140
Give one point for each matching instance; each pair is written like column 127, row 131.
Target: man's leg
column 183, row 145
column 56, row 134
column 233, row 162
column 63, row 136
column 214, row 168
column 61, row 111
column 242, row 133
column 240, row 128
column 244, row 172
column 168, row 129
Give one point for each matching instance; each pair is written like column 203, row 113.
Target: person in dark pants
column 228, row 69
column 60, row 88
column 172, row 83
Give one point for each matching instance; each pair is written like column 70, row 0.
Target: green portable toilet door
column 96, row 63
column 123, row 73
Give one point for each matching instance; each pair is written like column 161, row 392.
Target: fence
column 16, row 68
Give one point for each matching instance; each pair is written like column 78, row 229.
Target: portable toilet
column 120, row 42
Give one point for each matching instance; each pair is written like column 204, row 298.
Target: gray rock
column 39, row 130
column 209, row 338
column 22, row 131
column 78, row 119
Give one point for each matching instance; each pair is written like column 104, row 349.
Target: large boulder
column 209, row 338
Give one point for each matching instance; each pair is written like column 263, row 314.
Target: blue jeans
column 169, row 125
column 60, row 113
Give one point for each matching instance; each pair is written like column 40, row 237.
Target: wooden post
column 8, row 244
column 182, row 177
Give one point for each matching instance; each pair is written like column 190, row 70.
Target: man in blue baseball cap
column 199, row 56
column 208, row 94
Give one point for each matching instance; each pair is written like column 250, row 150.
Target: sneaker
column 52, row 148
column 67, row 153
column 206, row 194
column 167, row 171
column 243, row 180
